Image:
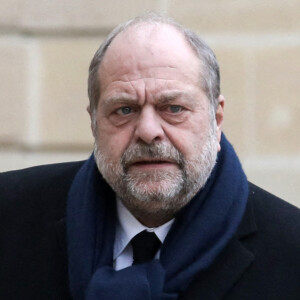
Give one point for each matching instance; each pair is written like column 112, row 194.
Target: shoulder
column 34, row 189
column 271, row 235
column 46, row 176
column 276, row 240
column 265, row 198
column 32, row 245
column 40, row 172
column 273, row 214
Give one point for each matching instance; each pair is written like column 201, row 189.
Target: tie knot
column 144, row 246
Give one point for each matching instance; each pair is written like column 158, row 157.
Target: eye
column 175, row 109
column 126, row 110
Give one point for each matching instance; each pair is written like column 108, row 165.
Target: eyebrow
column 163, row 98
column 120, row 98
column 167, row 97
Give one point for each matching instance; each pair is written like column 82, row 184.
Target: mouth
column 151, row 163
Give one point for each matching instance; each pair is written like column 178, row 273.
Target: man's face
column 155, row 140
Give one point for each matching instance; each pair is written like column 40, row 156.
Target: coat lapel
column 228, row 268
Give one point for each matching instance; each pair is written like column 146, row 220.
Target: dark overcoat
column 261, row 262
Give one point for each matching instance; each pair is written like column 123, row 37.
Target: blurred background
column 46, row 48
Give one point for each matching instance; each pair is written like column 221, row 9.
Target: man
column 162, row 175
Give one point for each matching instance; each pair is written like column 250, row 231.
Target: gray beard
column 158, row 191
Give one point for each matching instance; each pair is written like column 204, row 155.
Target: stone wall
column 46, row 47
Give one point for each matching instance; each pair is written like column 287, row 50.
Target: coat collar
column 230, row 265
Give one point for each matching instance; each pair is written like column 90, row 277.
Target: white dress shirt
column 128, row 227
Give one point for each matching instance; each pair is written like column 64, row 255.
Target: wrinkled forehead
column 150, row 45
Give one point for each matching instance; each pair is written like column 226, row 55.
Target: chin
column 154, row 205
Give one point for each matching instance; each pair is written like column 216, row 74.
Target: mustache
column 160, row 151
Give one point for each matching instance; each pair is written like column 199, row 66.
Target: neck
column 149, row 215
column 153, row 221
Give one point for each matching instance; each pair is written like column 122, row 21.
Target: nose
column 148, row 128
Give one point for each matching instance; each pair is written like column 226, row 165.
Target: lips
column 151, row 163
column 151, row 160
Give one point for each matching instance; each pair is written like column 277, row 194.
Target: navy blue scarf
column 200, row 232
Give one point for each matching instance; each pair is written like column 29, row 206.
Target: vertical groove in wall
column 33, row 96
column 250, row 99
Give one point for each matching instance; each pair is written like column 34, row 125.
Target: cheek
column 189, row 137
column 182, row 140
column 113, row 141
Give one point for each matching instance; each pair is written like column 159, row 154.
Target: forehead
column 143, row 49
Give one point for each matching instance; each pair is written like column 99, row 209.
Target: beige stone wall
column 46, row 47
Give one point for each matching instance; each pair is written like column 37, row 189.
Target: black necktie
column 144, row 246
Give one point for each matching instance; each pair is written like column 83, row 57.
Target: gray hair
column 210, row 74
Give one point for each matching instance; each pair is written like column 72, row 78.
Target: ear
column 92, row 115
column 220, row 118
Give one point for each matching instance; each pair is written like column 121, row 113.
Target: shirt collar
column 128, row 227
